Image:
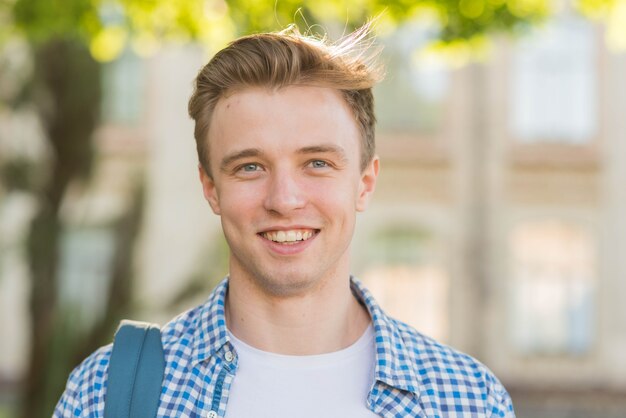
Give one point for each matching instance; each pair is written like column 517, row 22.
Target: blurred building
column 497, row 226
column 499, row 217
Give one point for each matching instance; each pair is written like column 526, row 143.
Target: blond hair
column 288, row 58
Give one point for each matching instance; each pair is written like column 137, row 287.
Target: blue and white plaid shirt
column 414, row 375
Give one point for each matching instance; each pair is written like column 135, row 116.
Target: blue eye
column 250, row 167
column 319, row 164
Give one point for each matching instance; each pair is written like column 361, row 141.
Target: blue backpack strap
column 136, row 372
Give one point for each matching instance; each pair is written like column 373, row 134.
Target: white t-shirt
column 269, row 385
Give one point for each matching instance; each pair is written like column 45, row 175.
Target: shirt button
column 229, row 356
column 211, row 414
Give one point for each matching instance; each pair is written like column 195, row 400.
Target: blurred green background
column 498, row 220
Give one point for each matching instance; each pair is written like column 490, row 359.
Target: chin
column 286, row 286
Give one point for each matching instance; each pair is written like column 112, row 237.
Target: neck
column 323, row 320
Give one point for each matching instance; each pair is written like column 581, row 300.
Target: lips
column 289, row 236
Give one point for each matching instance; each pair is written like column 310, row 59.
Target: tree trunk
column 67, row 88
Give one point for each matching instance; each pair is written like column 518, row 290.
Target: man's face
column 287, row 184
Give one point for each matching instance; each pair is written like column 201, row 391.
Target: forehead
column 282, row 118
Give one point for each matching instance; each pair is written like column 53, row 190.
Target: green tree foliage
column 106, row 26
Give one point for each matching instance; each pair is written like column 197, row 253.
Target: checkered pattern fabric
column 414, row 375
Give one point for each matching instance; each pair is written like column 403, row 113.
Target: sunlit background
column 498, row 226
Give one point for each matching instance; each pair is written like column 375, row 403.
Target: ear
column 367, row 183
column 209, row 190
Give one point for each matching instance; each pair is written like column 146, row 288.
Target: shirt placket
column 217, row 391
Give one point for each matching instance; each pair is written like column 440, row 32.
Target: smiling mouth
column 291, row 236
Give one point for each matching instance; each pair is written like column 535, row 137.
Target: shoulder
column 450, row 378
column 180, row 331
column 432, row 357
column 426, row 377
column 180, row 338
column 196, row 327
column 86, row 386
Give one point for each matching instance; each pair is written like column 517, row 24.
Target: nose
column 284, row 193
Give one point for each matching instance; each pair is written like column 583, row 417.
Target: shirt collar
column 394, row 365
column 210, row 333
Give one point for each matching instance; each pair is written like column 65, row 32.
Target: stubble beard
column 289, row 282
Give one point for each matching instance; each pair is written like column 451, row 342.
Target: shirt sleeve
column 500, row 404
column 86, row 387
column 68, row 404
column 504, row 407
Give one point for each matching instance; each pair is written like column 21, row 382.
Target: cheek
column 240, row 201
column 316, row 189
column 337, row 197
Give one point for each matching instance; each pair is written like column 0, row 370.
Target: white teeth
column 288, row 236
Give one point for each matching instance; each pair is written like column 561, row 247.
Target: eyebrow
column 325, row 149
column 237, row 155
column 255, row 152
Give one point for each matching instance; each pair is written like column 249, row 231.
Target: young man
column 285, row 138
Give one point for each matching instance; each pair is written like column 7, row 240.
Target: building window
column 554, row 268
column 411, row 97
column 554, row 84
column 85, row 272
column 406, row 276
column 123, row 89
